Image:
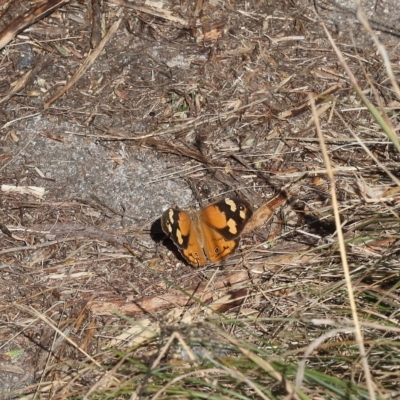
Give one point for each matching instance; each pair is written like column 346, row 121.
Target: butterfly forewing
column 176, row 224
column 228, row 216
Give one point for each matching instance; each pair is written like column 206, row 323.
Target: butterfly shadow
column 158, row 235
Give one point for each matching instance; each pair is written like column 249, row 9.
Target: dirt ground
column 179, row 108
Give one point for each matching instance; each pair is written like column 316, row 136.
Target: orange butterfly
column 209, row 234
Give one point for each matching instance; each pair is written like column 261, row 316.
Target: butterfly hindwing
column 178, row 225
column 216, row 246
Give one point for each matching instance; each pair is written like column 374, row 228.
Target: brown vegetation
column 110, row 111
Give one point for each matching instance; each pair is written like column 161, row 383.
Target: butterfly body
column 210, row 234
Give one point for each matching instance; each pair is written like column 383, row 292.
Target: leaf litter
column 180, row 105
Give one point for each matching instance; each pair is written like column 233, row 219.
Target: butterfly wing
column 184, row 232
column 222, row 223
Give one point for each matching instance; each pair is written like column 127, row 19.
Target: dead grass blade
column 368, row 151
column 382, row 122
column 62, row 334
column 190, row 123
column 265, row 365
column 159, row 12
column 320, row 98
column 364, row 20
column 23, row 21
column 91, row 58
column 18, row 86
column 343, row 255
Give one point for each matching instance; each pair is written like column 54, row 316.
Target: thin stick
column 29, row 18
column 90, row 59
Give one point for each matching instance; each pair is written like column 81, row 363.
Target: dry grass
column 307, row 309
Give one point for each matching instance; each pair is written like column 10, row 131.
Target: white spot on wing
column 231, row 204
column 171, row 220
column 179, row 236
column 232, row 226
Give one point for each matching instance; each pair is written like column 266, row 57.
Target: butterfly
column 210, row 234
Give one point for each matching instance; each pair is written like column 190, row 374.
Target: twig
column 95, row 37
column 87, row 63
column 168, row 15
column 23, row 21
